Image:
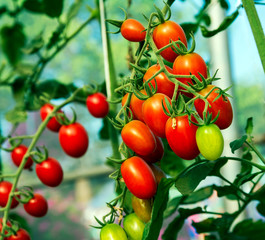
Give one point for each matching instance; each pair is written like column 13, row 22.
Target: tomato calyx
column 10, row 228
column 25, row 194
column 63, row 119
column 118, row 23
column 39, row 155
column 161, row 16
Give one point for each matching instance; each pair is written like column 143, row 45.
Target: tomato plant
column 5, row 188
column 53, row 124
column 158, row 172
column 112, row 231
column 21, row 234
column 133, row 226
column 142, row 208
column 133, row 30
column 17, row 156
column 97, row 105
column 37, row 206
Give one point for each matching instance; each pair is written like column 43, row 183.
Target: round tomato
column 139, row 177
column 153, row 114
column 142, row 208
column 36, row 206
column 166, row 32
column 97, row 105
column 138, row 137
column 53, row 124
column 74, row 139
column 50, row 172
column 158, row 172
column 181, row 137
column 21, row 234
column 210, row 141
column 133, row 226
column 5, row 189
column 17, row 156
column 112, row 231
column 221, row 105
column 133, row 30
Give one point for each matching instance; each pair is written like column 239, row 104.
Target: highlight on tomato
column 133, row 226
column 5, row 189
column 112, row 231
column 53, row 124
column 37, row 206
column 97, row 105
column 17, row 156
column 133, row 30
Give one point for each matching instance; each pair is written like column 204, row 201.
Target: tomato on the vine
column 133, row 226
column 142, row 208
column 133, row 30
column 21, row 234
column 158, row 172
column 112, row 231
column 97, row 105
column 5, row 189
column 37, row 206
column 17, row 155
column 53, row 124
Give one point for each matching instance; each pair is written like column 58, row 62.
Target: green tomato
column 142, row 208
column 210, row 141
column 133, row 226
column 112, row 231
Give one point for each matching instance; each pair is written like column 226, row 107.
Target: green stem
column 256, row 151
column 262, row 168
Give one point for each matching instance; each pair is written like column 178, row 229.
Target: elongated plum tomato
column 210, row 141
column 53, row 124
column 158, row 172
column 37, row 206
column 133, row 226
column 112, row 231
column 21, row 234
column 164, row 85
column 181, row 137
column 142, row 208
column 165, row 33
column 74, row 139
column 139, row 177
column 97, row 105
column 154, row 115
column 222, row 105
column 5, row 189
column 133, row 30
column 138, row 137
column 17, row 156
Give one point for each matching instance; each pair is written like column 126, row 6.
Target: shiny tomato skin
column 50, row 172
column 5, row 188
column 139, row 177
column 166, row 32
column 21, row 234
column 53, row 124
column 17, row 155
column 112, row 231
column 153, row 114
column 133, row 30
column 222, row 104
column 138, row 137
column 36, row 206
column 181, row 137
column 133, row 226
column 136, row 106
column 97, row 105
column 74, row 139
column 158, row 172
column 142, row 208
column 164, row 85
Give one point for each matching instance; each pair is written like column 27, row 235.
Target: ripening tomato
column 50, row 172
column 5, row 189
column 142, row 208
column 153, row 114
column 74, row 139
column 139, row 177
column 181, row 137
column 164, row 85
column 138, row 137
column 36, row 206
column 166, row 32
column 17, row 156
column 221, row 105
column 133, row 30
column 21, row 234
column 133, row 226
column 158, row 172
column 112, row 231
column 97, row 105
column 53, row 124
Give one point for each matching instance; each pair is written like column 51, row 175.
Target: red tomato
column 5, row 188
column 181, row 137
column 124, row 100
column 166, row 32
column 139, row 177
column 164, row 85
column 74, row 139
column 36, row 206
column 21, row 234
column 17, row 155
column 153, row 113
column 133, row 30
column 50, row 172
column 97, row 105
column 53, row 124
column 222, row 105
column 158, row 172
column 138, row 137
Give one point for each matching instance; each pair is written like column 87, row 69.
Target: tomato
column 164, row 85
column 17, row 155
column 222, row 105
column 153, row 113
column 158, row 172
column 133, row 226
column 36, row 206
column 139, row 177
column 50, row 172
column 74, row 139
column 21, row 234
column 138, row 137
column 5, row 189
column 112, row 231
column 123, row 101
column 53, row 124
column 189, row 64
column 142, row 208
column 133, row 30
column 166, row 32
column 210, row 141
column 181, row 137
column 97, row 105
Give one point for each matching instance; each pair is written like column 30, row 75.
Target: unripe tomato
column 36, row 206
column 17, row 156
column 97, row 105
column 158, row 172
column 133, row 30
column 21, row 234
column 133, row 226
column 112, row 231
column 5, row 189
column 142, row 208
column 53, row 124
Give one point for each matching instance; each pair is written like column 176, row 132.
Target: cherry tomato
column 50, row 172
column 74, row 139
column 181, row 137
column 36, row 206
column 153, row 113
column 5, row 188
column 222, row 105
column 164, row 85
column 166, row 32
column 158, row 172
column 17, row 155
column 133, row 226
column 112, row 231
column 139, row 177
column 133, row 30
column 138, row 137
column 21, row 234
column 97, row 105
column 53, row 124
column 124, row 100
column 210, row 141
column 142, row 208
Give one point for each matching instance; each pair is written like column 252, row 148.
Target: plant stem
column 262, row 168
column 256, row 151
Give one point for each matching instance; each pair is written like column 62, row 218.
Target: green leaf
column 186, row 212
column 219, row 163
column 224, row 4
column 189, row 28
column 250, row 229
column 16, row 115
column 205, row 226
column 238, row 143
column 172, row 230
column 224, row 190
column 249, row 126
column 73, row 10
column 53, row 8
column 35, row 45
column 199, row 195
column 172, row 206
column 56, row 36
column 22, row 221
column 35, row 6
column 104, row 131
column 261, row 208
